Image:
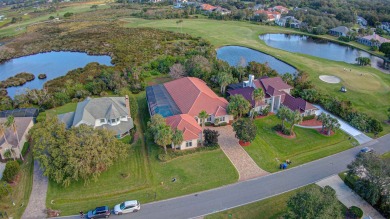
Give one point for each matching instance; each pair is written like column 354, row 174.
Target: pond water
column 319, row 48
column 233, row 54
column 53, row 64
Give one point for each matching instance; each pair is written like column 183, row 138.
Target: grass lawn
column 269, row 149
column 20, row 192
column 274, row 207
column 386, row 155
column 141, row 176
column 368, row 88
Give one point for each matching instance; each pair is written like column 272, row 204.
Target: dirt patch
column 330, row 79
column 311, row 122
column 325, row 132
column 243, row 143
column 286, row 136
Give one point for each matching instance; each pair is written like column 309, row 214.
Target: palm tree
column 324, row 119
column 203, row 115
column 257, row 96
column 177, row 138
column 296, row 118
column 10, row 123
column 283, row 114
column 332, row 125
column 3, row 129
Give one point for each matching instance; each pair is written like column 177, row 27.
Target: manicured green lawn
column 386, row 155
column 274, row 207
column 142, row 176
column 269, row 149
column 20, row 192
column 368, row 88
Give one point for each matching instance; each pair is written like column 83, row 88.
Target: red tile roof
column 297, row 103
column 187, row 124
column 192, row 95
column 208, row 7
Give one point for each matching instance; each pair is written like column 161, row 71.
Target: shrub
column 308, row 117
column 11, row 170
column 356, row 211
column 4, row 190
column 284, row 131
column 210, row 137
column 344, row 38
column 208, row 124
column 164, row 157
column 25, row 148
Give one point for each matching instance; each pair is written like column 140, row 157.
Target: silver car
column 127, row 207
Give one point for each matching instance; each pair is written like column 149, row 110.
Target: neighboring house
column 385, row 26
column 372, row 40
column 183, row 99
column 221, row 10
column 207, row 7
column 23, row 125
column 111, row 113
column 339, row 31
column 361, row 21
column 281, row 9
column 2, row 17
column 292, row 21
column 276, row 94
column 257, row 7
column 271, row 15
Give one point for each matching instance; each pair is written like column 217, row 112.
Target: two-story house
column 112, row 113
column 276, row 94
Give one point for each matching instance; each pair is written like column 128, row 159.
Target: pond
column 319, row 48
column 233, row 54
column 53, row 64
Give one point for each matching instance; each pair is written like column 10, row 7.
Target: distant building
column 361, row 21
column 2, row 17
column 258, row 7
column 271, row 15
column 372, row 40
column 207, row 7
column 281, row 9
column 292, row 21
column 339, row 31
column 221, row 10
column 385, row 26
column 155, row 1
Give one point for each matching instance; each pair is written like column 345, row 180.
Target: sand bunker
column 330, row 79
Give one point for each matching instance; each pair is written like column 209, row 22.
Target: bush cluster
column 284, row 130
column 305, row 118
column 12, row 168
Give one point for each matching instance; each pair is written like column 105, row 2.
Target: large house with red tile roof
column 180, row 102
column 271, row 15
column 276, row 94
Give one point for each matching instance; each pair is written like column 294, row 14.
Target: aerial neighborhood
column 194, row 109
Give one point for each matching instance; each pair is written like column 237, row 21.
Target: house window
column 112, row 120
column 222, row 119
column 102, row 120
column 209, row 119
column 189, row 144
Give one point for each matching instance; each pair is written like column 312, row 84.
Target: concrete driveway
column 245, row 165
column 348, row 197
column 358, row 135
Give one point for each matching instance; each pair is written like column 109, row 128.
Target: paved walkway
column 358, row 135
column 245, row 165
column 2, row 168
column 37, row 203
column 348, row 197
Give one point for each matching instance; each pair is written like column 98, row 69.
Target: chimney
column 127, row 105
column 251, row 78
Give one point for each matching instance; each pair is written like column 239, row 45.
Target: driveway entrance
column 245, row 165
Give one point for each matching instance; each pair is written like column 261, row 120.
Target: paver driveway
column 37, row 203
column 245, row 165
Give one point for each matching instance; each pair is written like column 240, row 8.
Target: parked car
column 366, row 150
column 99, row 212
column 127, row 207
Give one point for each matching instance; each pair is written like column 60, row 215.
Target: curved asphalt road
column 223, row 198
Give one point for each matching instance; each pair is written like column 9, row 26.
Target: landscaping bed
column 269, row 149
